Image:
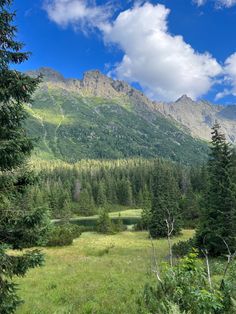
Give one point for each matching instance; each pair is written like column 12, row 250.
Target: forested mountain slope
column 97, row 117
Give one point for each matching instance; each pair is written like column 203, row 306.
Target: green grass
column 97, row 274
column 123, row 213
column 127, row 213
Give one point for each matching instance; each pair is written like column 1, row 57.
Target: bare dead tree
column 155, row 270
column 205, row 253
column 230, row 257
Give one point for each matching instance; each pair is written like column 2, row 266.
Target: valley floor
column 97, row 274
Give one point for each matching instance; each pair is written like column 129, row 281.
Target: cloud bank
column 163, row 64
column 218, row 3
column 80, row 14
column 229, row 77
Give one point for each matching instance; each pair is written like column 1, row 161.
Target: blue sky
column 168, row 47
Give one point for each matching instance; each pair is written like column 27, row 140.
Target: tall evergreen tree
column 165, row 203
column 19, row 226
column 218, row 225
column 101, row 196
column 85, row 204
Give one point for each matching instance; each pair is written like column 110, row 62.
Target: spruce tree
column 86, row 204
column 146, row 209
column 218, row 225
column 165, row 203
column 101, row 196
column 20, row 226
column 104, row 223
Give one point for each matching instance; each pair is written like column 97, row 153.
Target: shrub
column 63, row 235
column 184, row 288
column 104, row 223
column 118, row 225
column 76, row 230
column 183, row 248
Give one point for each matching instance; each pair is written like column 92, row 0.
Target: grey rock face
column 199, row 116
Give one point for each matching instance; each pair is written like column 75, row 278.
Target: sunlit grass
column 97, row 274
column 123, row 213
column 51, row 116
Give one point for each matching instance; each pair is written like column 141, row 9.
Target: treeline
column 81, row 189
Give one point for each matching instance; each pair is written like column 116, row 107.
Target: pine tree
column 20, row 226
column 190, row 208
column 101, row 196
column 125, row 192
column 146, row 209
column 104, row 223
column 218, row 225
column 85, row 204
column 165, row 203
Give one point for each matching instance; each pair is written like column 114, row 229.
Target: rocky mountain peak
column 48, row 74
column 184, row 99
column 98, row 84
column 94, row 75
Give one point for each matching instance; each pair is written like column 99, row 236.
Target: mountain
column 98, row 117
column 198, row 117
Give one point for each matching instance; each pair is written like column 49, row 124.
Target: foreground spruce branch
column 20, row 227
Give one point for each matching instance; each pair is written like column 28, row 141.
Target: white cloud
column 163, row 64
column 199, row 2
column 218, row 3
column 229, row 79
column 78, row 13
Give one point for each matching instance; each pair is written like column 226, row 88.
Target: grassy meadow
column 98, row 274
column 125, row 213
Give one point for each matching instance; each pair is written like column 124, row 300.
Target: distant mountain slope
column 97, row 117
column 198, row 117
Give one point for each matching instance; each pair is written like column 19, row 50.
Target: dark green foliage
column 14, row 266
column 218, row 223
column 23, row 229
column 104, row 223
column 19, row 226
column 15, row 90
column 63, row 235
column 115, row 183
column 101, row 194
column 118, row 224
column 124, row 193
column 183, row 248
column 165, row 203
column 85, row 205
column 146, row 213
column 190, row 208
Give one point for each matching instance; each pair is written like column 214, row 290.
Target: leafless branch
column 230, row 258
column 205, row 253
column 155, row 270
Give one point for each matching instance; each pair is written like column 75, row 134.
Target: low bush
column 183, row 248
column 63, row 235
column 104, row 223
column 184, row 288
column 118, row 224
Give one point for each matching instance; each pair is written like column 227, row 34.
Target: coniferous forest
column 134, row 235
